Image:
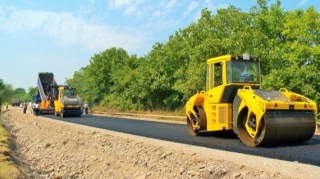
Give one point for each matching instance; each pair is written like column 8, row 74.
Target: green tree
column 19, row 91
column 123, row 93
column 2, row 86
column 31, row 92
column 94, row 81
column 299, row 72
column 8, row 93
column 79, row 80
column 287, row 43
column 269, row 41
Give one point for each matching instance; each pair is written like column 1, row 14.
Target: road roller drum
column 281, row 127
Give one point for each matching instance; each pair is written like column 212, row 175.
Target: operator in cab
column 244, row 73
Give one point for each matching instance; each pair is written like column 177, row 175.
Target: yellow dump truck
column 45, row 81
column 233, row 101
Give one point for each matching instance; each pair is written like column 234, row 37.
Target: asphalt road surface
column 308, row 152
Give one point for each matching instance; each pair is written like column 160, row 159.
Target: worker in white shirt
column 36, row 109
column 86, row 107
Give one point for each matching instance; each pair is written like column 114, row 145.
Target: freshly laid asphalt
column 307, row 152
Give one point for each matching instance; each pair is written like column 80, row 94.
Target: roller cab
column 233, row 101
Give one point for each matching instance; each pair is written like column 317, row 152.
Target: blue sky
column 60, row 36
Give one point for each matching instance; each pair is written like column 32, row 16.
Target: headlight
column 268, row 98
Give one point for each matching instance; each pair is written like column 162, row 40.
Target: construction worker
column 86, row 107
column 25, row 106
column 30, row 106
column 36, row 109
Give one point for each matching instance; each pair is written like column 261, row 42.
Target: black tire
column 68, row 112
column 78, row 112
column 74, row 113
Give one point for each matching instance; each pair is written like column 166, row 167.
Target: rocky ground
column 44, row 148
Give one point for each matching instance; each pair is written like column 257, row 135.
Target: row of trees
column 287, row 42
column 7, row 92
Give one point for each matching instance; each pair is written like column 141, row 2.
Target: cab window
column 243, row 72
column 217, row 74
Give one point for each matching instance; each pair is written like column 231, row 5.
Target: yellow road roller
column 233, row 101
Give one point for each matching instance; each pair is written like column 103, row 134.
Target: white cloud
column 86, row 9
column 131, row 7
column 69, row 29
column 144, row 8
column 87, row 26
column 120, row 3
column 303, row 2
column 210, row 6
column 171, row 4
column 191, row 6
column 157, row 13
column 19, row 20
column 221, row 6
column 161, row 24
column 30, row 2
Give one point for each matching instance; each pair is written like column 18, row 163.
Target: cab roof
column 244, row 57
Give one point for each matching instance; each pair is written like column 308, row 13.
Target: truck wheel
column 74, row 112
column 68, row 112
column 78, row 112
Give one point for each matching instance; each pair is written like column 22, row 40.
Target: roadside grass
column 7, row 168
column 180, row 112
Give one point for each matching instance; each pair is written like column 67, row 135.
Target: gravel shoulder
column 44, row 148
